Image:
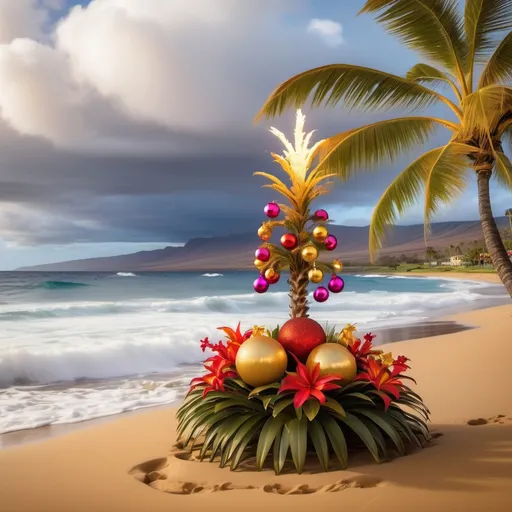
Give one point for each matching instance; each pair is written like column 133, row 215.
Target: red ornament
column 289, row 241
column 300, row 336
column 321, row 215
column 272, row 210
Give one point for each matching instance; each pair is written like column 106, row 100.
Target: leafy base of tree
column 238, row 423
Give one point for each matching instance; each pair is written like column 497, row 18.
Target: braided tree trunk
column 493, row 241
column 298, row 293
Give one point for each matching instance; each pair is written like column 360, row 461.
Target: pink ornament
column 336, row 284
column 262, row 254
column 331, row 243
column 260, row 285
column 321, row 294
column 321, row 215
column 272, row 210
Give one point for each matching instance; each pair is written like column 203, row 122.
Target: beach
column 462, row 376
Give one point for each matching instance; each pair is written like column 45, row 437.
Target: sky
column 127, row 125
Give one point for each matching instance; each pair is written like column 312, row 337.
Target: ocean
column 78, row 346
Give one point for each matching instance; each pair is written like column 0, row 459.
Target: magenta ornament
column 336, row 284
column 321, row 294
column 262, row 254
column 321, row 215
column 272, row 210
column 331, row 243
column 261, row 285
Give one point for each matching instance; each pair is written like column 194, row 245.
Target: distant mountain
column 236, row 252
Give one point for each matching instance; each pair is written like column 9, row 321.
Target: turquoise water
column 75, row 346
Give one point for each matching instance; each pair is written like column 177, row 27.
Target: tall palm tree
column 508, row 213
column 456, row 46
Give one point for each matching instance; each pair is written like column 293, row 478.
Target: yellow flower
column 347, row 334
column 258, row 331
column 387, row 359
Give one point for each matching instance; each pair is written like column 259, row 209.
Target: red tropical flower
column 401, row 361
column 228, row 351
column 383, row 379
column 214, row 381
column 308, row 384
column 362, row 351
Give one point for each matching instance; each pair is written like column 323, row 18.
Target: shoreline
column 434, row 326
column 467, row 468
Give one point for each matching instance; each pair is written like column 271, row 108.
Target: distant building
column 456, row 261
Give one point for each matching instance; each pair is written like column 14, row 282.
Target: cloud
column 331, row 32
column 25, row 18
column 166, row 63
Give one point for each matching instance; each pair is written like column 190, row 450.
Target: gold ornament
column 334, row 359
column 337, row 265
column 261, row 360
column 271, row 275
column 258, row 263
column 265, row 233
column 315, row 275
column 309, row 253
column 320, row 233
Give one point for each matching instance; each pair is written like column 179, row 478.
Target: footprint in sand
column 501, row 419
column 159, row 482
column 361, row 482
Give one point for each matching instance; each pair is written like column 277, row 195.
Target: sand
column 462, row 376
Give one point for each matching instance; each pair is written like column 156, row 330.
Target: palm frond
column 374, row 144
column 356, row 86
column 482, row 20
column 433, row 28
column 406, row 188
column 499, row 67
column 503, row 170
column 424, row 73
column 447, row 178
column 484, row 109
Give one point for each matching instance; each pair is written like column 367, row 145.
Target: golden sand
column 462, row 376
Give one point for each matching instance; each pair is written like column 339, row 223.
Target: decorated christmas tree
column 297, row 390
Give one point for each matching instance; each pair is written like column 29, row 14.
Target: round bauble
column 261, row 360
column 334, row 359
column 321, row 215
column 309, row 253
column 265, row 233
column 262, row 254
column 259, row 264
column 336, row 284
column 320, row 233
column 321, row 294
column 337, row 266
column 289, row 241
column 272, row 276
column 331, row 243
column 260, row 285
column 300, row 336
column 272, row 210
column 315, row 275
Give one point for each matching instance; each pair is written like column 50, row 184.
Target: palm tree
column 455, row 44
column 508, row 213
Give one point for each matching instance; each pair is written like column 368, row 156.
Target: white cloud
column 197, row 67
column 331, row 32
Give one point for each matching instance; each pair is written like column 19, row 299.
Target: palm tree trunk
column 493, row 241
column 299, row 292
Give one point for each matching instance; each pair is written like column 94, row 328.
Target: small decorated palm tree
column 306, row 234
column 296, row 391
